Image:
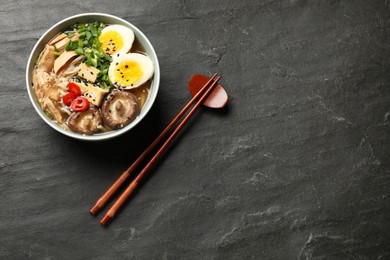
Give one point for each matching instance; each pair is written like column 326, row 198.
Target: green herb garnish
column 89, row 46
column 56, row 51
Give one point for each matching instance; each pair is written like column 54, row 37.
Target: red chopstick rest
column 217, row 98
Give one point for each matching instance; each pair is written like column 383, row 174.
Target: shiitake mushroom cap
column 119, row 109
column 87, row 122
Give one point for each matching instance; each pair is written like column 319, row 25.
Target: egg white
column 125, row 33
column 144, row 63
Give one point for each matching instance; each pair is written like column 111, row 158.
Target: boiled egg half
column 130, row 70
column 116, row 39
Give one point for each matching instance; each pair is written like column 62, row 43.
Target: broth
column 137, row 47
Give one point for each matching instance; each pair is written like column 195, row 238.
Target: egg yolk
column 127, row 73
column 112, row 42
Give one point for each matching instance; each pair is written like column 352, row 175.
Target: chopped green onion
column 89, row 46
column 56, row 51
column 79, row 51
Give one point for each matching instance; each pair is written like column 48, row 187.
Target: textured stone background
column 297, row 166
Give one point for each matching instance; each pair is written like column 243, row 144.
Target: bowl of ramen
column 93, row 76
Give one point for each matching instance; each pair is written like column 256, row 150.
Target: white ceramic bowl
column 84, row 18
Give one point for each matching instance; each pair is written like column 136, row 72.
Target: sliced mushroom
column 87, row 122
column 63, row 59
column 119, row 109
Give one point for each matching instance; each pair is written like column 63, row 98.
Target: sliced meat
column 45, row 85
column 46, row 62
column 87, row 122
column 54, row 110
column 65, row 58
column 61, row 44
column 58, row 38
column 62, row 40
column 42, row 82
column 48, row 94
column 119, row 109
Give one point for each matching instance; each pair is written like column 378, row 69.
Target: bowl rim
column 104, row 136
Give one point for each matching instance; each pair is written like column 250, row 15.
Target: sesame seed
column 116, row 63
column 117, row 55
column 126, row 66
column 91, row 72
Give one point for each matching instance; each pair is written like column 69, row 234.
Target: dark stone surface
column 297, row 166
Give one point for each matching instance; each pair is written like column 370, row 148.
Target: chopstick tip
column 104, row 221
column 95, row 210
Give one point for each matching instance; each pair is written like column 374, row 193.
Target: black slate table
column 296, row 167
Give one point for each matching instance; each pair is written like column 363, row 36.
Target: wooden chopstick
column 130, row 189
column 126, row 174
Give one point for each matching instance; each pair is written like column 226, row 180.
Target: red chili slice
column 80, row 104
column 73, row 88
column 68, row 98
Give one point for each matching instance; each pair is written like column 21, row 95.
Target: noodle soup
column 93, row 78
